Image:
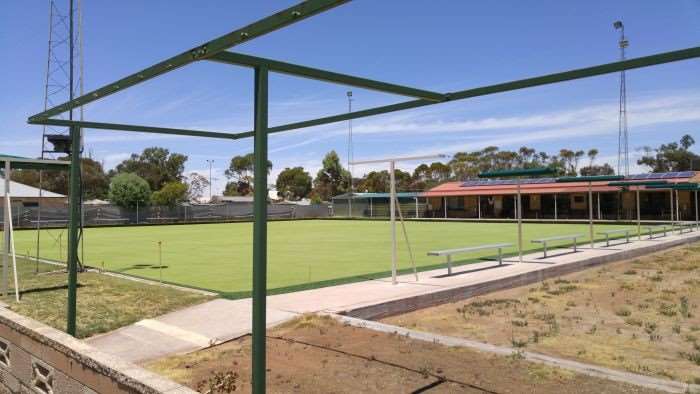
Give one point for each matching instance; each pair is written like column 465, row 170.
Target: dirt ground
column 320, row 355
column 639, row 315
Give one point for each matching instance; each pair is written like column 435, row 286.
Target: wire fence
column 112, row 215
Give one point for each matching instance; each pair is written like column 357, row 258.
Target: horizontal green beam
column 22, row 163
column 661, row 58
column 592, row 178
column 136, row 128
column 518, row 172
column 263, row 26
column 323, row 75
column 638, row 183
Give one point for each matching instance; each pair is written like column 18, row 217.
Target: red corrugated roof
column 456, row 189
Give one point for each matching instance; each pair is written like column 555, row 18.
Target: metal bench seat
column 607, row 234
column 544, row 241
column 449, row 252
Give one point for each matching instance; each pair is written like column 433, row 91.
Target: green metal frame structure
column 217, row 51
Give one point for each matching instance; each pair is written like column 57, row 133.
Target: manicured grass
column 306, row 253
column 105, row 303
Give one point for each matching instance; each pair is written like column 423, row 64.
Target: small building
column 544, row 198
column 28, row 196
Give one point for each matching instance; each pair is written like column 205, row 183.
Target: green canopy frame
column 216, row 50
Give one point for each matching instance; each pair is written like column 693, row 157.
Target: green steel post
column 260, row 230
column 74, row 206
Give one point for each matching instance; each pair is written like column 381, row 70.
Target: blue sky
column 441, row 45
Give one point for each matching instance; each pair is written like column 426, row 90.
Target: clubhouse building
column 546, row 199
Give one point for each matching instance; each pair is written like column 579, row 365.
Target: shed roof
column 20, row 190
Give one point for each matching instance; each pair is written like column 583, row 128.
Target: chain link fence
column 112, row 215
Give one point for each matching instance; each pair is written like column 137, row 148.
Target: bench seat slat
column 557, row 238
column 467, row 249
column 620, row 231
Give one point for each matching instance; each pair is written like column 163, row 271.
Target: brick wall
column 35, row 358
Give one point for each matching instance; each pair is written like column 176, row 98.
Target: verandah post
column 260, row 231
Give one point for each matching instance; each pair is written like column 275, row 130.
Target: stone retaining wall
column 35, row 358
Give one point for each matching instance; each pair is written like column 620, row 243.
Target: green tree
column 332, row 179
column 293, row 183
column 170, row 194
column 127, row 190
column 240, row 171
column 156, row 165
column 674, row 156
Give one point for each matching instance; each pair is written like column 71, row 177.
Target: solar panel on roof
column 500, row 182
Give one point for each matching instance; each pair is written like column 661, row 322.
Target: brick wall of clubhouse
column 438, row 297
column 35, row 358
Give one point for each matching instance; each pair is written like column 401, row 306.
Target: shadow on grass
column 45, row 289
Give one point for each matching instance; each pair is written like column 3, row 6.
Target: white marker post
column 392, row 204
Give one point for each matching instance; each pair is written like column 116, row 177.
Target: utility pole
column 623, row 157
column 210, row 162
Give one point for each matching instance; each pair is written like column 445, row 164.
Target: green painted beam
column 263, row 26
column 592, row 178
column 518, row 172
column 22, row 163
column 137, row 128
column 661, row 58
column 323, row 75
column 639, row 183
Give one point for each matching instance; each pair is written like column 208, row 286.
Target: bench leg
column 500, row 257
column 545, row 249
column 607, row 241
column 449, row 265
column 574, row 244
column 627, row 235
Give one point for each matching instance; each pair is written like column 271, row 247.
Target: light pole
column 623, row 134
column 210, row 162
column 350, row 153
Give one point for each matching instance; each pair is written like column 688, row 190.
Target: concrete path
column 220, row 320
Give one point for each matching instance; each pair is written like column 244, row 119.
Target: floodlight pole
column 260, row 231
column 392, row 202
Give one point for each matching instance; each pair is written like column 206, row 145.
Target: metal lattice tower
column 623, row 154
column 65, row 57
column 64, row 65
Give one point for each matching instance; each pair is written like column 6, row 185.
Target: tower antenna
column 623, row 156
